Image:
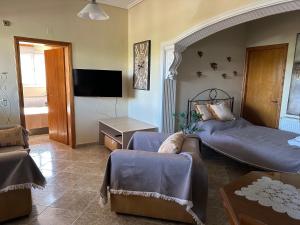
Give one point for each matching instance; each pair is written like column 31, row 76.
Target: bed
column 258, row 146
column 36, row 117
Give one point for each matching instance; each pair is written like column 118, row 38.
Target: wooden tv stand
column 121, row 129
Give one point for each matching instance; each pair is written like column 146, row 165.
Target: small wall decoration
column 6, row 23
column 141, row 64
column 200, row 54
column 214, row 66
column 224, row 75
column 199, row 74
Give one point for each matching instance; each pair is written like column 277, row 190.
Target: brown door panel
column 56, row 94
column 263, row 84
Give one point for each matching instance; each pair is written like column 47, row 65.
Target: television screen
column 97, row 83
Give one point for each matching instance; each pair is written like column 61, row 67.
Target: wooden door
column 263, row 84
column 56, row 95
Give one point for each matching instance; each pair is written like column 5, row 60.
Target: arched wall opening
column 173, row 50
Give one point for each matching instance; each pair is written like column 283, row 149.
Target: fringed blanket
column 19, row 171
column 181, row 178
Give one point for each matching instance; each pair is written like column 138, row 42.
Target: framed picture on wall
column 141, row 65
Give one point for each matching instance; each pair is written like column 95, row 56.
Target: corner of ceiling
column 133, row 3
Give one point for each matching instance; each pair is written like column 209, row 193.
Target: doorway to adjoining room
column 45, row 88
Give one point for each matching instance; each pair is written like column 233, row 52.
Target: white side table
column 121, row 129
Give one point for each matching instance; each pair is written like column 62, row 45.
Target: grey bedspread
column 259, row 146
column 181, row 178
column 19, row 171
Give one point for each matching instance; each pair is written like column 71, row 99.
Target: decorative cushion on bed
column 221, row 111
column 172, row 144
column 204, row 111
column 12, row 137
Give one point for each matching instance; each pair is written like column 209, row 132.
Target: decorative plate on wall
column 141, row 65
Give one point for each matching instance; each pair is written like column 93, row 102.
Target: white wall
column 215, row 48
column 96, row 45
column 161, row 21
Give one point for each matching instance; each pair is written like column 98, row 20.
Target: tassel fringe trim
column 22, row 186
column 182, row 202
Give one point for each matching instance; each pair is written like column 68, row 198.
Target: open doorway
column 46, row 98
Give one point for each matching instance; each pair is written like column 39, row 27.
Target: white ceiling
column 126, row 4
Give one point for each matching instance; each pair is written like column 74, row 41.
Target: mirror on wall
column 294, row 98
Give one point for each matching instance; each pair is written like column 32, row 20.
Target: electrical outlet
column 3, row 102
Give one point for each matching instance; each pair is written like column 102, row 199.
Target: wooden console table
column 121, row 129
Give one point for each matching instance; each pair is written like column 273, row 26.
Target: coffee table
column 245, row 212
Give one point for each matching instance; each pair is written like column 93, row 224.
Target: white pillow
column 172, row 144
column 204, row 111
column 221, row 111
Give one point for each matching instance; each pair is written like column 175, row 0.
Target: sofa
column 25, row 137
column 143, row 182
column 18, row 175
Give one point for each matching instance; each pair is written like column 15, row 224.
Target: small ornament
column 224, row 75
column 199, row 74
column 229, row 59
column 200, row 54
column 235, row 73
column 214, row 66
column 6, row 23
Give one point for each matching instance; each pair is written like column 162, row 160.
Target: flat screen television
column 97, row 83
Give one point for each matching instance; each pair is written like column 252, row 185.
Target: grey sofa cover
column 141, row 171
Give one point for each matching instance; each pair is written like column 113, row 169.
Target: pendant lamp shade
column 93, row 11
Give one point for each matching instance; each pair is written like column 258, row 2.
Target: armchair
column 18, row 174
column 24, row 141
column 144, row 182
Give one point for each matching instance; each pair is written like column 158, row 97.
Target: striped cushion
column 12, row 137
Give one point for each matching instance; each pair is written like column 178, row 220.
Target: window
column 294, row 96
column 33, row 69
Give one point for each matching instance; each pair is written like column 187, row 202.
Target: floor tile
column 74, row 200
column 83, row 168
column 96, row 219
column 36, row 210
column 54, row 216
column 88, row 183
column 48, row 195
column 95, row 208
column 56, row 165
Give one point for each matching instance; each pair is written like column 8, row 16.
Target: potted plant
column 188, row 127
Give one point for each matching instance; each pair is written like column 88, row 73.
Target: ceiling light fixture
column 93, row 11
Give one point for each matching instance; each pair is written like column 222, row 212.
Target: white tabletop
column 126, row 124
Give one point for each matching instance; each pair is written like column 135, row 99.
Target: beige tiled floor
column 74, row 178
